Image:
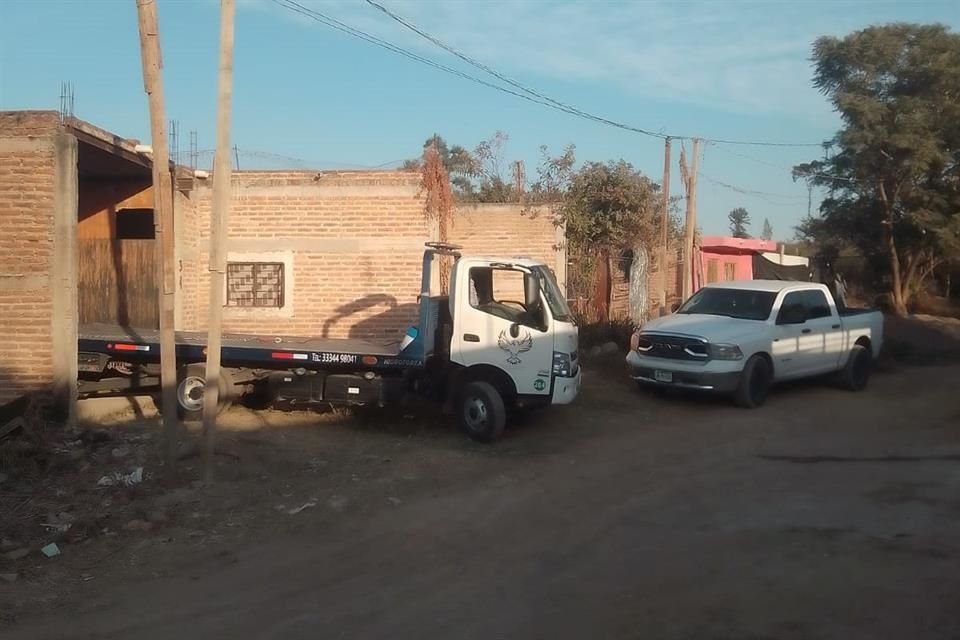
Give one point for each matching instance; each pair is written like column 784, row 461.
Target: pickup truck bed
column 241, row 349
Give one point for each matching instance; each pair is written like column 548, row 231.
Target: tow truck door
column 500, row 320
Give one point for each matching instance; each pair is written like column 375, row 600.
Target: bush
column 618, row 331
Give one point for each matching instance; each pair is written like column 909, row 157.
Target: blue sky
column 716, row 69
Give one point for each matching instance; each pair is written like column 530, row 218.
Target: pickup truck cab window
column 743, row 304
column 793, row 309
column 816, row 303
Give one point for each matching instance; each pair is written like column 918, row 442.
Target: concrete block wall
column 38, row 165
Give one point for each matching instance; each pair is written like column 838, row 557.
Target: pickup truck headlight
column 562, row 365
column 725, row 352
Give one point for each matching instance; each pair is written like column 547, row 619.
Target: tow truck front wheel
column 190, row 386
column 483, row 415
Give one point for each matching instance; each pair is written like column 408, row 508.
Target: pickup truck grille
column 672, row 347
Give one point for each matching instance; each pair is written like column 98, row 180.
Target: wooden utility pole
column 163, row 222
column 690, row 226
column 219, row 217
column 664, row 225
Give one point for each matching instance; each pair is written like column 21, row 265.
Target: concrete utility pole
column 163, row 222
column 665, row 224
column 219, row 218
column 690, row 226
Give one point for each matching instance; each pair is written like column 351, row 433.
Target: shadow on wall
column 388, row 324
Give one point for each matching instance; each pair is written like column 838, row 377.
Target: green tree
column 459, row 163
column 609, row 206
column 739, row 222
column 892, row 173
column 767, row 230
column 553, row 175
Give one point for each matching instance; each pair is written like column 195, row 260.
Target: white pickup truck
column 739, row 338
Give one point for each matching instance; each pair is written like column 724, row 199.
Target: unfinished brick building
column 329, row 253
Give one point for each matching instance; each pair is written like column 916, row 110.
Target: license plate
column 663, row 376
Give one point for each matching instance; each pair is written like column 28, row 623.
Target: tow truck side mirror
column 674, row 307
column 514, row 330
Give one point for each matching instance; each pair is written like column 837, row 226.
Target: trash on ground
column 120, row 452
column 51, row 550
column 394, row 501
column 86, row 577
column 118, row 479
column 305, row 505
column 9, row 577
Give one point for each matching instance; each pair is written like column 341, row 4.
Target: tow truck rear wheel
column 190, row 386
column 482, row 413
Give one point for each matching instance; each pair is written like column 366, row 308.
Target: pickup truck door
column 823, row 346
column 790, row 327
column 501, row 321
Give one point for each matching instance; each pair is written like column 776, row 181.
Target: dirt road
column 823, row 515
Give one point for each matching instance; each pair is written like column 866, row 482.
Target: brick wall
column 351, row 244
column 507, row 230
column 27, row 155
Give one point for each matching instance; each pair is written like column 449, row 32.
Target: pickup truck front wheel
column 856, row 373
column 754, row 385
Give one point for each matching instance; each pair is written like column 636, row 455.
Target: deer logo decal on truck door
column 515, row 346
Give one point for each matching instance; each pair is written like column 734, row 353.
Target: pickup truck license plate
column 663, row 376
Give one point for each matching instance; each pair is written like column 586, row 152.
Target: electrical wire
column 561, row 105
column 760, row 194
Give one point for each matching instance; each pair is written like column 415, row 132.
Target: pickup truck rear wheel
column 190, row 386
column 856, row 374
column 754, row 385
column 482, row 413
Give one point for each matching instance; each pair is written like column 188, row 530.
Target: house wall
column 739, row 266
column 351, row 246
column 38, row 191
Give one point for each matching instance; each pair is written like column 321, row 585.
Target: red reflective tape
column 131, row 347
column 283, row 355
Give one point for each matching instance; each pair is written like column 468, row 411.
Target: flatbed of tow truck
column 96, row 342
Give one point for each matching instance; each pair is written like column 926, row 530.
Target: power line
column 784, row 167
column 561, row 105
column 763, row 195
column 523, row 92
column 333, row 23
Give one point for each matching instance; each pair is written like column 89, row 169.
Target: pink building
column 724, row 258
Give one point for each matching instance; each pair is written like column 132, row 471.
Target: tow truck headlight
column 562, row 365
column 725, row 352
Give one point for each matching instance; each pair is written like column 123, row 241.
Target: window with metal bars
column 255, row 285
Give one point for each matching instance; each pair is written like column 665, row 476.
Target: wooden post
column 163, row 221
column 690, row 227
column 219, row 217
column 664, row 225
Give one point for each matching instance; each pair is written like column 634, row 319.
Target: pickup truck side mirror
column 793, row 314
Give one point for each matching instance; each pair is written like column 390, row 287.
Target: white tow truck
column 740, row 338
column 479, row 351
